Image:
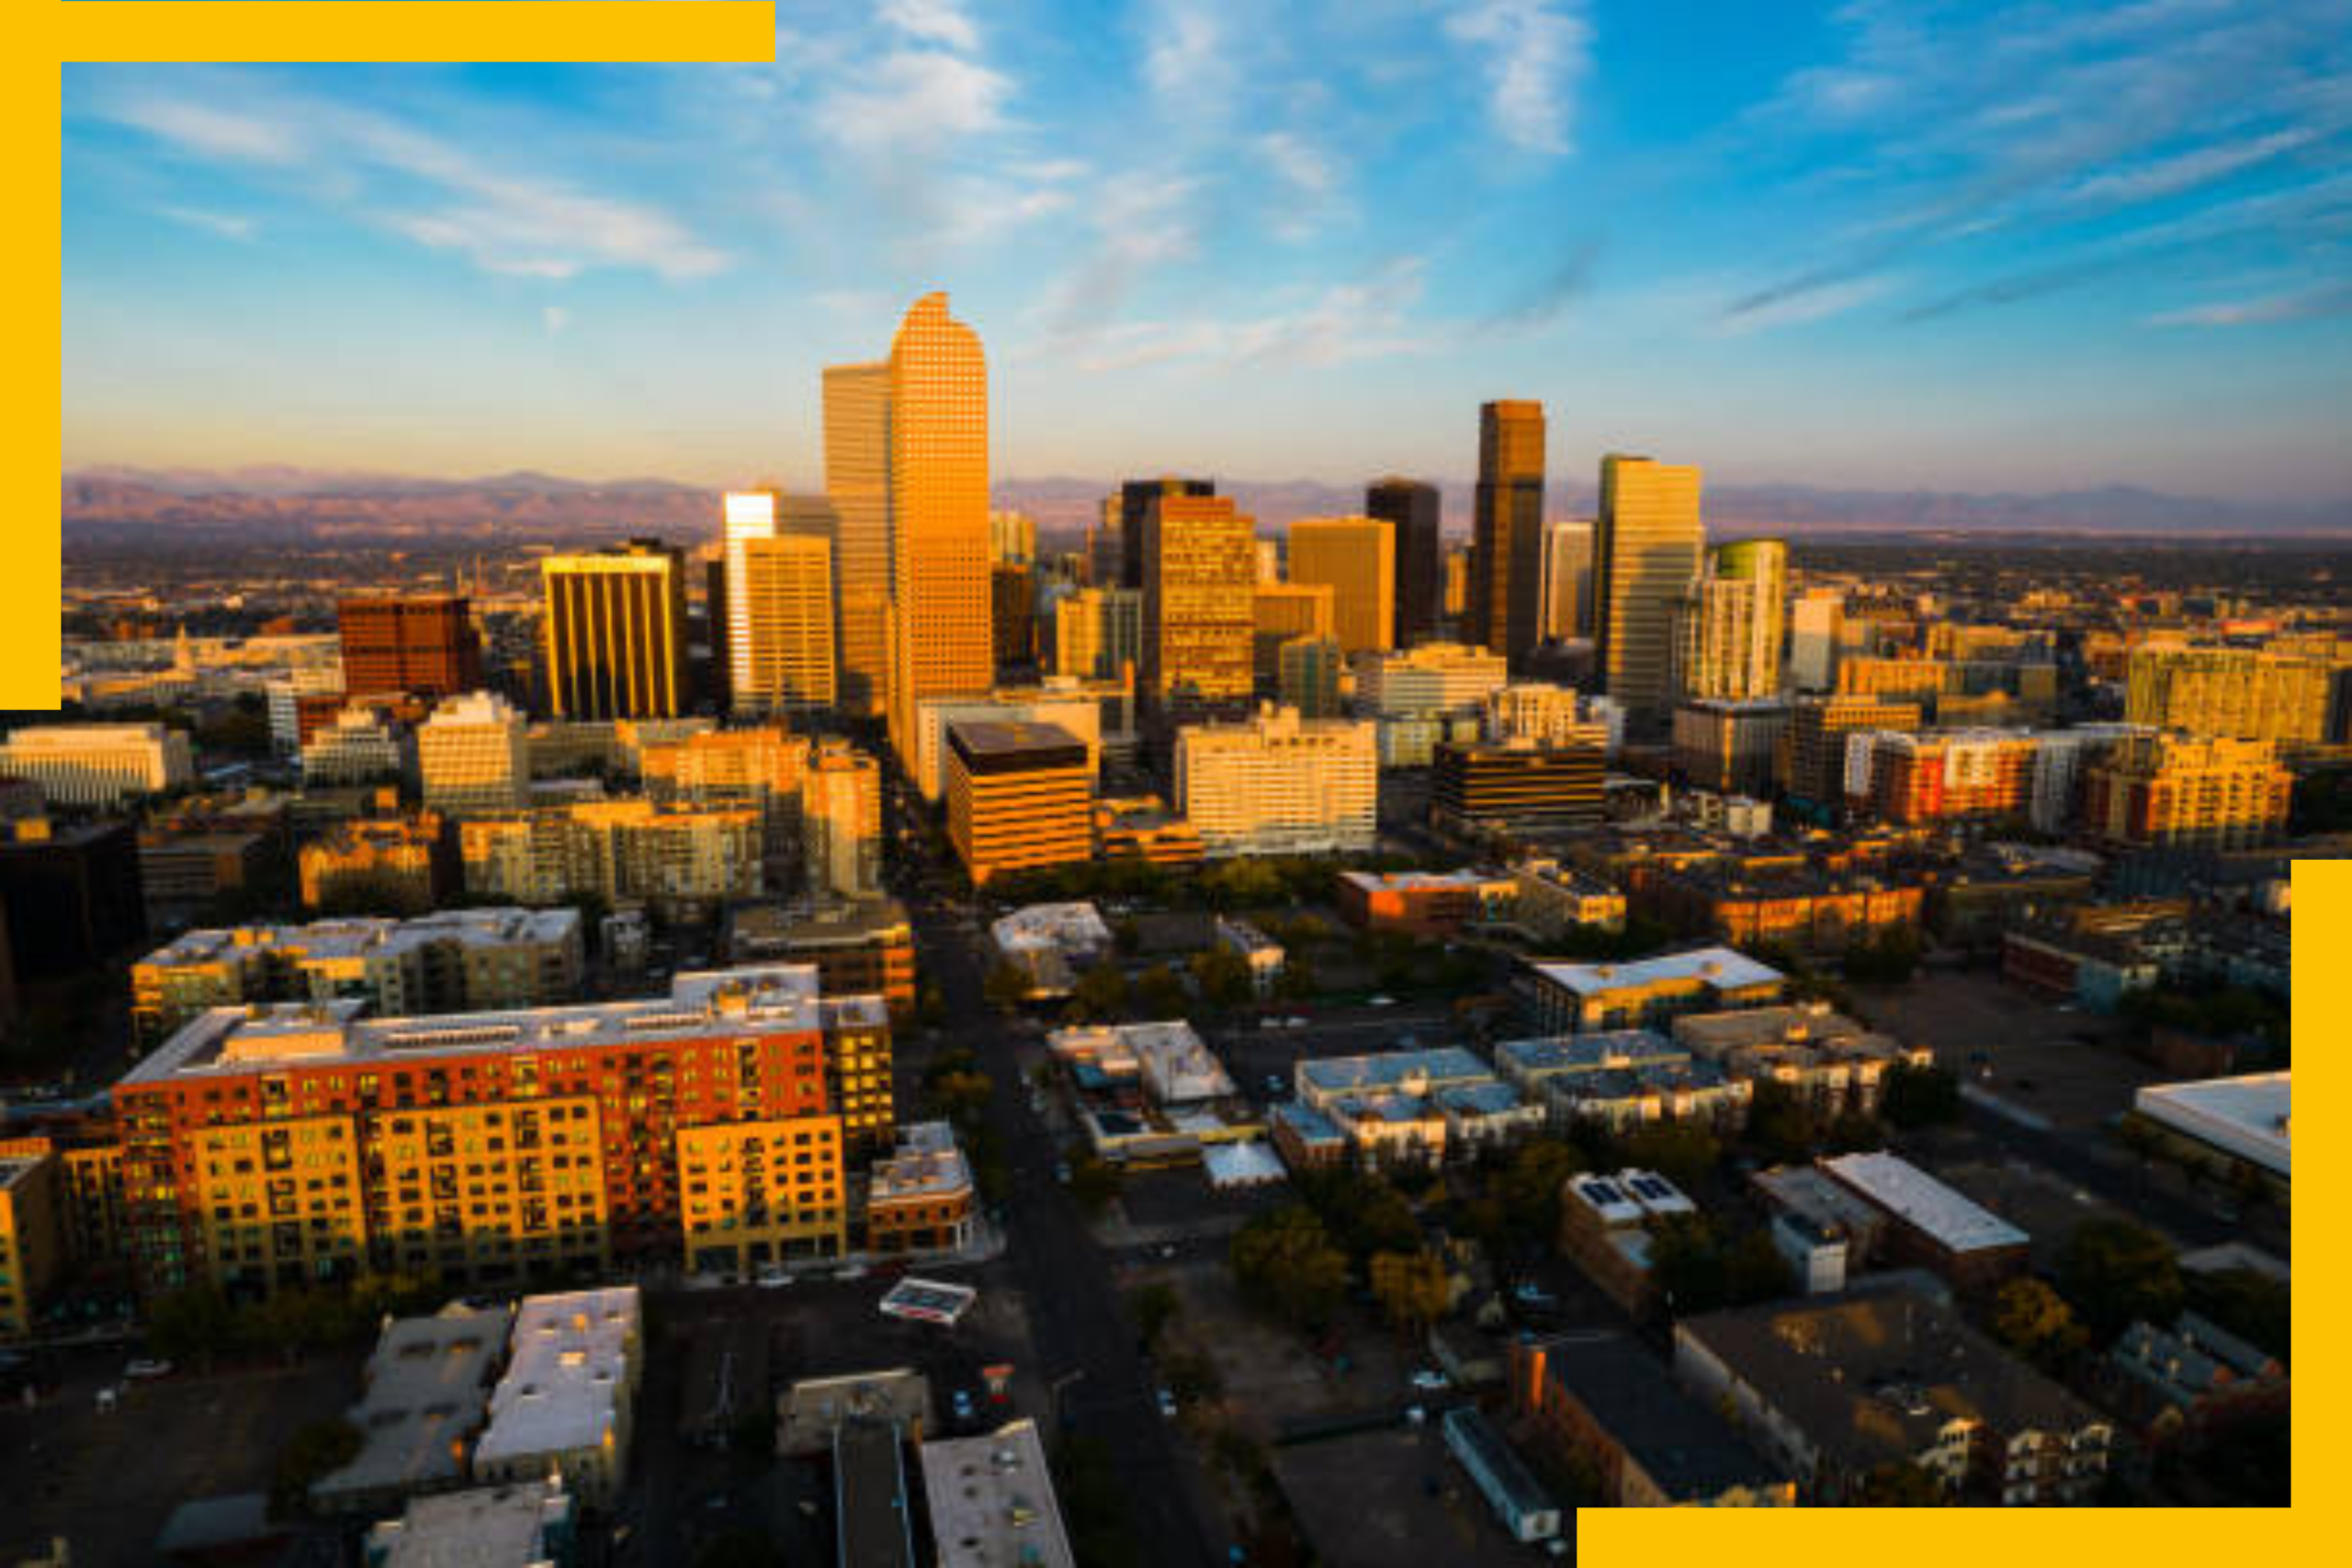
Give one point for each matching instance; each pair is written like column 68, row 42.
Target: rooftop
column 1682, row 1446
column 992, row 1502
column 1547, row 1055
column 1009, row 738
column 1410, row 1070
column 363, row 935
column 425, row 1394
column 925, row 1164
column 1174, row 1063
column 1469, row 878
column 1075, row 925
column 568, row 1377
column 490, row 1527
column 1919, row 1200
column 2244, row 1116
column 1719, row 967
column 870, row 1512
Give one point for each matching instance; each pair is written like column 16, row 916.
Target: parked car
column 1381, row 1003
column 1061, row 1172
column 772, row 1276
column 146, row 1367
column 1167, row 1403
column 961, row 1402
column 1428, row 1380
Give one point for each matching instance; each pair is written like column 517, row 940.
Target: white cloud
column 211, row 132
column 2332, row 301
column 1343, row 324
column 915, row 100
column 1182, row 57
column 228, row 226
column 1536, row 55
column 932, row 21
column 1810, row 305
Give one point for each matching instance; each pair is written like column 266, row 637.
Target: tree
column 1528, row 1188
column 1285, row 1264
column 1100, row 996
column 1781, row 1126
column 193, row 1323
column 1888, row 959
column 1411, row 1287
column 1006, row 987
column 1687, row 1261
column 1223, row 977
column 1094, row 1181
column 1682, row 1152
column 1127, row 937
column 1921, row 1097
column 1754, row 1271
column 2114, row 1273
column 959, row 1095
column 2253, row 1306
column 1160, row 993
column 313, row 1451
column 1900, row 1484
column 2035, row 1321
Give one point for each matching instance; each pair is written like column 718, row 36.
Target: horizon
column 2124, row 265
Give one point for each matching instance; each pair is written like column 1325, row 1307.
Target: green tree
column 1783, row 1126
column 2035, row 1321
column 1094, row 1181
column 1754, row 1271
column 1921, row 1097
column 1285, row 1265
column 2115, row 1273
column 2253, row 1306
column 1528, row 1188
column 1100, row 996
column 1686, row 1261
column 1685, row 1153
column 1223, row 975
column 1006, row 987
column 1160, row 993
column 1410, row 1287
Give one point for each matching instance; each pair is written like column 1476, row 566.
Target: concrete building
column 69, row 894
column 1519, row 1500
column 1278, row 784
column 1604, row 1402
column 363, row 743
column 2244, row 1120
column 1019, row 796
column 1813, row 622
column 841, row 817
column 98, row 764
column 531, row 1524
column 424, row 1397
column 1552, row 898
column 1260, row 953
column 1356, row 559
column 779, row 634
column 618, row 850
column 1516, row 789
column 1811, row 764
column 860, row 946
column 615, row 632
column 1574, row 998
column 1098, row 633
column 1095, row 712
column 1432, row 678
column 1052, row 943
column 2173, row 791
column 992, row 1501
column 472, row 756
column 567, row 1401
column 919, row 1197
column 1645, row 556
column 397, row 863
column 1306, row 676
column 1930, row 1225
column 1424, row 903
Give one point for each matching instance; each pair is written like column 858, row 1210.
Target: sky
column 1974, row 246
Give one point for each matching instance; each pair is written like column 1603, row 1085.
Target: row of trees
column 200, row 1322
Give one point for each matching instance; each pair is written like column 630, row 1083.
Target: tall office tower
column 1098, row 632
column 1727, row 631
column 2240, row 693
column 1456, row 603
column 1012, row 614
column 1270, row 561
column 473, row 755
column 1012, row 538
column 1200, row 561
column 1813, row 638
column 939, row 515
column 1356, row 557
column 1506, row 559
column 1306, row 676
column 857, row 481
column 1106, row 546
column 841, row 819
column 616, row 633
column 423, row 645
column 1411, row 507
column 1567, row 579
column 1646, row 552
column 778, row 616
column 1136, row 501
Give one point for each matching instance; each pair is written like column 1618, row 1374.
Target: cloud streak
column 1536, row 53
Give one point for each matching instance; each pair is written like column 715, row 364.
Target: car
column 772, row 1276
column 1274, row 1086
column 1430, row 1381
column 963, row 1405
column 146, row 1367
column 1380, row 1002
column 1294, row 1021
column 854, row 1271
column 1167, row 1403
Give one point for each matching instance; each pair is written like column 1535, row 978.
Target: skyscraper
column 1200, row 565
column 1098, row 632
column 1727, row 632
column 1646, row 554
column 1412, row 507
column 840, row 816
column 1506, row 565
column 857, row 481
column 423, row 645
column 1356, row 557
column 1012, row 538
column 616, row 633
column 939, row 515
column 1567, row 579
column 1813, row 637
column 1136, row 498
column 779, row 610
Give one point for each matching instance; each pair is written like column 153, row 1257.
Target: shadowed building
column 617, row 632
column 1410, row 506
column 1506, row 559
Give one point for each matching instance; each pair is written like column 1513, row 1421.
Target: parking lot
column 1393, row 1495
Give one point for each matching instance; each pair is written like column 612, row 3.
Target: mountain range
column 282, row 503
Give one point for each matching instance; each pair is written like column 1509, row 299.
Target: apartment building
column 473, row 754
column 2179, row 792
column 1279, row 784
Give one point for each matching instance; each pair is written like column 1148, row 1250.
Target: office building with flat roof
column 1019, row 796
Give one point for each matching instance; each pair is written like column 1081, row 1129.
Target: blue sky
column 1997, row 246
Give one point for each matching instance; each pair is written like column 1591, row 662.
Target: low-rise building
column 1306, row 1139
column 1142, row 827
column 2184, row 1384
column 1553, row 899
column 2240, row 1121
column 919, row 1198
column 1607, row 1229
column 425, row 1395
column 1483, row 1116
column 1428, row 903
column 98, row 764
column 1576, row 997
column 1930, row 1225
column 1837, row 1388
column 565, row 1404
column 1260, row 953
column 860, row 946
column 529, row 1524
column 1825, row 1058
column 1052, row 943
column 1604, row 1402
column 1519, row 1500
column 992, row 1502
column 1801, row 906
column 398, row 864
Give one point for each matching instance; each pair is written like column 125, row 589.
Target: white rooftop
column 568, row 1377
column 926, row 1163
column 1073, row 926
column 1175, row 1066
column 2244, row 1116
column 363, row 935
column 1720, row 967
column 1250, row 1163
column 992, row 1501
column 489, row 1527
column 1913, row 1196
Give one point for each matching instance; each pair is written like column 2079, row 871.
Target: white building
column 564, row 1406
column 283, row 696
column 2245, row 1118
column 1261, row 952
column 1433, row 677
column 473, row 754
column 98, row 764
column 1814, row 619
column 1175, row 1067
column 365, row 743
column 527, row 1525
column 1278, row 784
column 992, row 1501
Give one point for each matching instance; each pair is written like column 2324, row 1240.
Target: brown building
column 2174, row 792
column 1018, row 795
column 1601, row 1402
column 1506, row 589
column 1012, row 612
column 860, row 946
column 918, row 1199
column 1810, row 910
column 1423, row 903
column 1930, row 1225
column 1515, row 789
column 1199, row 572
column 423, row 645
column 1811, row 763
column 391, row 865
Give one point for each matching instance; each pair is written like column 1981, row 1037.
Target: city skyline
column 2122, row 262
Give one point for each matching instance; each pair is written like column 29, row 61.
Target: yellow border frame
column 710, row 30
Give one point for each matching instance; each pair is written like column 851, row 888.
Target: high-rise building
column 2237, row 692
column 1270, row 561
column 1281, row 611
column 474, row 755
column 2184, row 792
column 857, row 481
column 1136, row 498
column 1012, row 612
column 1356, row 557
column 1012, row 538
column 1410, row 506
column 840, row 816
column 1810, row 763
column 1728, row 744
column 423, row 645
column 1646, row 555
column 1507, row 561
column 1200, row 565
column 1306, row 676
column 939, row 515
column 1019, row 796
column 616, row 633
column 1278, row 784
column 1456, row 603
column 1106, row 547
column 779, row 612
column 1098, row 632
column 1517, row 788
column 1813, row 622
column 1727, row 630
column 1567, row 579
column 302, row 1144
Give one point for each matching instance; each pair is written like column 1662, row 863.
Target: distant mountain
column 258, row 504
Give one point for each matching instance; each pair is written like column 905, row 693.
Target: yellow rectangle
column 416, row 30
